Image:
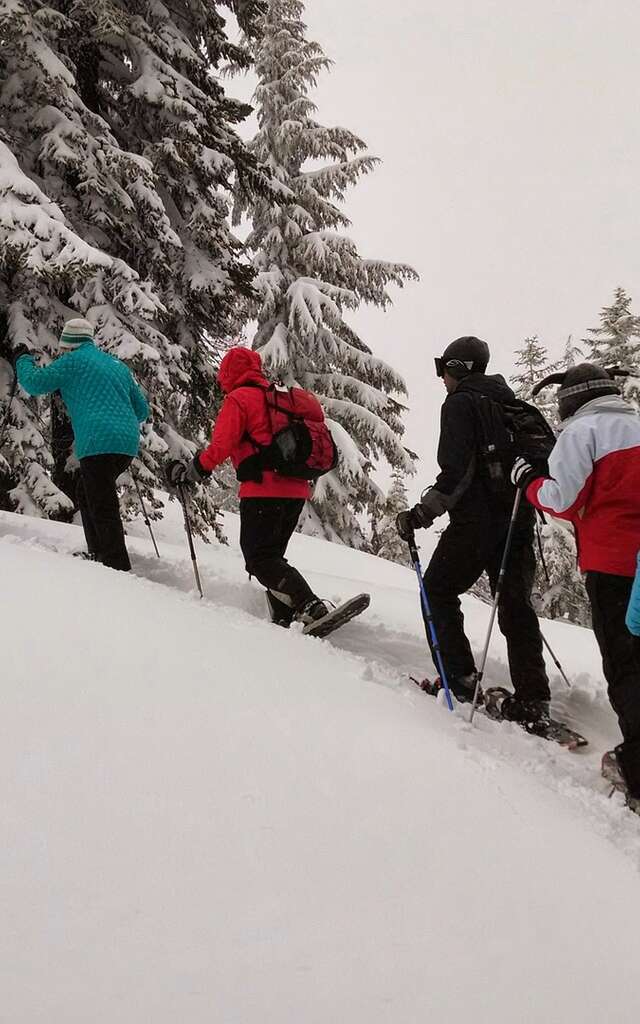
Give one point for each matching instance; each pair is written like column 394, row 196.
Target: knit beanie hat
column 76, row 332
column 581, row 384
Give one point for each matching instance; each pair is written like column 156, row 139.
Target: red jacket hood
column 241, row 366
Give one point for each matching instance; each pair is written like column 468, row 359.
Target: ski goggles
column 452, row 365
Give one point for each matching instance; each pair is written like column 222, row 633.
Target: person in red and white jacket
column 594, row 482
column 270, row 504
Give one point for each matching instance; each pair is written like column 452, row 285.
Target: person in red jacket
column 594, row 482
column 270, row 504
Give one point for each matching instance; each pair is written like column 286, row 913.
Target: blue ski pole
column 435, row 646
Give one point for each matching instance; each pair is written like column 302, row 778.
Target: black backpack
column 507, row 430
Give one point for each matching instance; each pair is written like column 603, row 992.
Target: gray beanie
column 76, row 332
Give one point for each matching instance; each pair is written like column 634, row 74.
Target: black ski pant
column 609, row 597
column 266, row 527
column 100, row 508
column 466, row 550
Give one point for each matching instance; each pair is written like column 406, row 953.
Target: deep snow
column 209, row 819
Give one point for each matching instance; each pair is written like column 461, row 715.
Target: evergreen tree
column 572, row 353
column 533, row 364
column 559, row 587
column 385, row 541
column 561, row 594
column 309, row 273
column 616, row 342
column 117, row 158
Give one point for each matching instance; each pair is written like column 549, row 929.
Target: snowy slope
column 209, row 819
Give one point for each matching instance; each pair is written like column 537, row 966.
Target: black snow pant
column 100, row 508
column 266, row 527
column 466, row 549
column 609, row 597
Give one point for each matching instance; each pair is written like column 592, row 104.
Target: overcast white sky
column 508, row 131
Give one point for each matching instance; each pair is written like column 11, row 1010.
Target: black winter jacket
column 461, row 487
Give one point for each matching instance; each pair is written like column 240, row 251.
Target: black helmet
column 463, row 356
column 580, row 384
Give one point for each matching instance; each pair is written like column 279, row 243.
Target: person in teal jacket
column 106, row 407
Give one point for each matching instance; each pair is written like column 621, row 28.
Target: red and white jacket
column 595, row 483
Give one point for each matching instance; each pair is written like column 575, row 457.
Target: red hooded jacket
column 245, row 411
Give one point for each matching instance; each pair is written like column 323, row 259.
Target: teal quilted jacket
column 105, row 405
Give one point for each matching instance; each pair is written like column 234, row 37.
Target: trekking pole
column 555, row 660
column 187, row 526
column 496, row 598
column 435, row 646
column 144, row 511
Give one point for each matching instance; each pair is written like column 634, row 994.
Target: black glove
column 186, row 474
column 523, row 473
column 417, row 518
column 20, row 350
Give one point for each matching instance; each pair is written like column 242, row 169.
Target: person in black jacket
column 474, row 540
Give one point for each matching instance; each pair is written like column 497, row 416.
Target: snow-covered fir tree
column 309, row 273
column 559, row 591
column 117, row 157
column 572, row 353
column 385, row 541
column 558, row 585
column 616, row 342
column 533, row 364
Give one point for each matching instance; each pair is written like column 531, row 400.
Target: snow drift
column 209, row 819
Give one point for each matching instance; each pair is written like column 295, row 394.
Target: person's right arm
column 228, row 431
column 566, row 490
column 40, row 380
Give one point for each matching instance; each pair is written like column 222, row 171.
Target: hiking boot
column 502, row 704
column 462, row 688
column 88, row 556
column 312, row 611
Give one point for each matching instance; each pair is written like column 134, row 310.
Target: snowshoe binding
column 321, row 620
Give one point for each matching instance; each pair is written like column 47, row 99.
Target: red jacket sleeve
column 228, row 431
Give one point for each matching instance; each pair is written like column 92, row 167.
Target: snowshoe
column 333, row 618
column 612, row 772
column 532, row 716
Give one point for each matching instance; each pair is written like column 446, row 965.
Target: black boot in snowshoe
column 312, row 611
column 501, row 704
column 462, row 687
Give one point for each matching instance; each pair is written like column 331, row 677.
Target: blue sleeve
column 40, row 380
column 633, row 611
column 139, row 402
